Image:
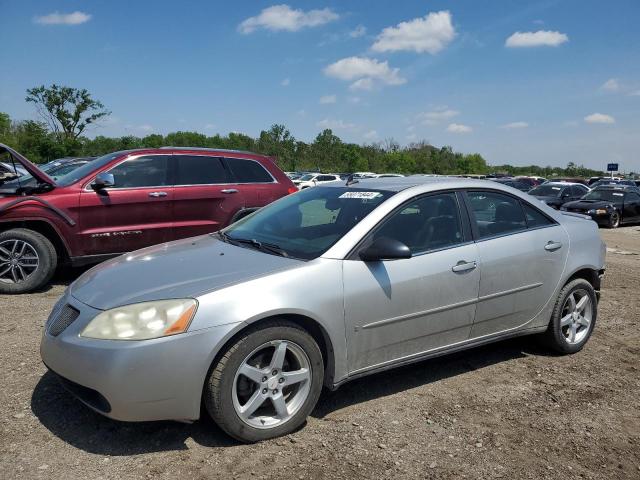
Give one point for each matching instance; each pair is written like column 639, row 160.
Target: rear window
column 248, row 171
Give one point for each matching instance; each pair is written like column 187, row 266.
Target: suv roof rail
column 209, row 149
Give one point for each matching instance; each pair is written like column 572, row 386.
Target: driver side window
column 428, row 223
column 147, row 171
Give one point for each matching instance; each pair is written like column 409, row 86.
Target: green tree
column 67, row 111
column 325, row 150
column 279, row 143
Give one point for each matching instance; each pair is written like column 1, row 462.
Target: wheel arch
column 44, row 227
column 591, row 275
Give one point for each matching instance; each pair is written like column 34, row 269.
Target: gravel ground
column 508, row 410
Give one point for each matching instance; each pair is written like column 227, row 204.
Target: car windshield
column 546, row 191
column 306, row 178
column 306, row 224
column 605, row 194
column 86, row 169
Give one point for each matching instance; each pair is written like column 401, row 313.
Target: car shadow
column 76, row 424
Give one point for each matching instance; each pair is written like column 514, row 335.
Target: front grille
column 65, row 317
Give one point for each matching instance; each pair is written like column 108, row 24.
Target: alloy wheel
column 18, row 261
column 272, row 384
column 577, row 314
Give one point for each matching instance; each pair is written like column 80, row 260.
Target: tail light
column 291, row 190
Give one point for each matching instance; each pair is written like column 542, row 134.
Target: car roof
column 564, row 184
column 397, row 184
column 617, row 187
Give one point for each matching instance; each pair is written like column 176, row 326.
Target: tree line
column 68, row 112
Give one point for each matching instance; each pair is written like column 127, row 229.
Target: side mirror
column 103, row 180
column 385, row 248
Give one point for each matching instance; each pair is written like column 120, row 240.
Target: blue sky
column 520, row 82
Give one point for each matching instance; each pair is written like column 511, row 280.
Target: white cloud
column 459, row 128
column 437, row 116
column 515, row 125
column 285, row 82
column 74, row 18
column 599, row 118
column 541, row 38
column 326, row 99
column 611, row 85
column 370, row 135
column 430, row 33
column 283, row 17
column 359, row 31
column 336, row 124
column 365, row 71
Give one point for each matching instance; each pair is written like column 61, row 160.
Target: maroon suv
column 124, row 201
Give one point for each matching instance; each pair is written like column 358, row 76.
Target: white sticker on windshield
column 619, row 194
column 365, row 195
column 555, row 188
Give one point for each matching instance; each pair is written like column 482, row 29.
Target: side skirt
column 90, row 259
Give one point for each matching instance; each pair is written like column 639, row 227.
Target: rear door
column 254, row 182
column 205, row 196
column 401, row 308
column 134, row 213
column 522, row 254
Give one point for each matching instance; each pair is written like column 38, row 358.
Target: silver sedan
column 321, row 287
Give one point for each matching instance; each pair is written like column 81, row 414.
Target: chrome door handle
column 229, row 190
column 158, row 194
column 552, row 246
column 463, row 266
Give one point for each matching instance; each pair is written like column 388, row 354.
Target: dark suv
column 124, row 201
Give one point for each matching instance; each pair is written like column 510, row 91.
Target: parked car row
column 121, row 202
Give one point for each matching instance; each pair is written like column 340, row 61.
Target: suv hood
column 28, row 166
column 181, row 269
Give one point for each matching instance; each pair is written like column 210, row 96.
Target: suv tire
column 27, row 256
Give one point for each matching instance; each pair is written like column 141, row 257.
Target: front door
column 399, row 309
column 522, row 254
column 134, row 213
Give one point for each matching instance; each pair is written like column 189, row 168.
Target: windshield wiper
column 263, row 246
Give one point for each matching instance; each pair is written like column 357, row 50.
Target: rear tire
column 573, row 318
column 28, row 260
column 283, row 389
column 614, row 220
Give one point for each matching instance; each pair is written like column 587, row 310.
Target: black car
column 512, row 182
column 609, row 206
column 556, row 194
column 607, row 181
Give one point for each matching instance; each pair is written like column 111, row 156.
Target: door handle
column 158, row 194
column 463, row 266
column 552, row 246
column 229, row 190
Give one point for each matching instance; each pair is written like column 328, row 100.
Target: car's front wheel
column 266, row 383
column 573, row 318
column 27, row 260
column 614, row 220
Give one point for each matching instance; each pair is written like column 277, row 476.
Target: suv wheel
column 574, row 317
column 614, row 220
column 27, row 260
column 266, row 384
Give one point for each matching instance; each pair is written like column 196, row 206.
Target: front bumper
column 159, row 379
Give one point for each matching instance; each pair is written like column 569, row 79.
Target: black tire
column 218, row 389
column 554, row 337
column 47, row 261
column 614, row 220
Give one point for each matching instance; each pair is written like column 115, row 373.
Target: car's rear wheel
column 28, row 260
column 614, row 220
column 266, row 383
column 574, row 317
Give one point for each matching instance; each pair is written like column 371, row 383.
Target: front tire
column 267, row 383
column 28, row 260
column 573, row 318
column 614, row 220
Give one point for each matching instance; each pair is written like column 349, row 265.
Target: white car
column 313, row 179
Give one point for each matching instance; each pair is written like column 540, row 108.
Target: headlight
column 597, row 211
column 142, row 321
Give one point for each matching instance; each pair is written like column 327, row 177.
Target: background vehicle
column 607, row 181
column 55, row 169
column 556, row 194
column 124, row 201
column 313, row 179
column 9, row 171
column 569, row 180
column 609, row 206
column 531, row 181
column 512, row 182
column 344, row 281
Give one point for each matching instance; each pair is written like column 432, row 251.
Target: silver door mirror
column 103, row 180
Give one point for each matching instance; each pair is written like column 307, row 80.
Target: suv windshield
column 308, row 223
column 546, row 191
column 605, row 194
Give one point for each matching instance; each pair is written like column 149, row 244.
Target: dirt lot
column 509, row 410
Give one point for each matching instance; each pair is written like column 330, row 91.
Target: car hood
column 28, row 166
column 180, row 269
column 588, row 204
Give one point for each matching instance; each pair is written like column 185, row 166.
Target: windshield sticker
column 619, row 194
column 361, row 195
column 555, row 188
